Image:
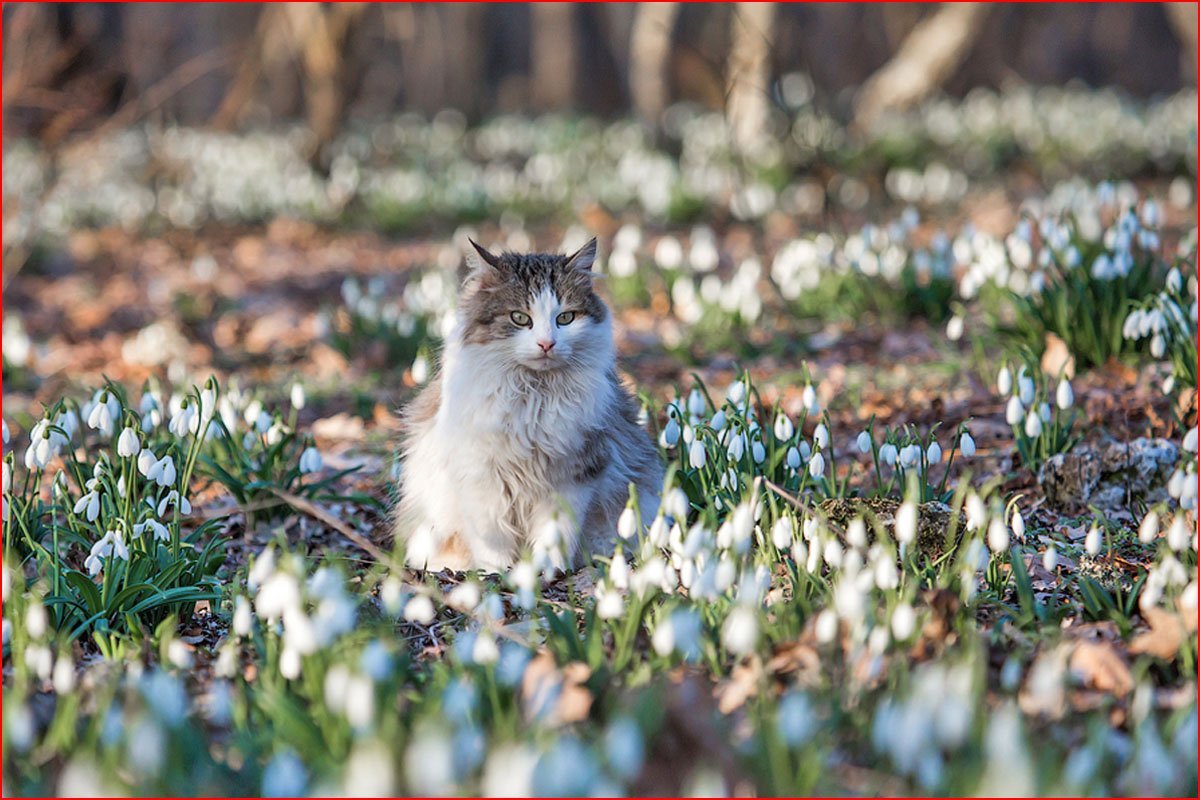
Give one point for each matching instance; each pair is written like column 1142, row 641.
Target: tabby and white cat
column 526, row 439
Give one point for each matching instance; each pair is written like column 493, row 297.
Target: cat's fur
column 510, row 446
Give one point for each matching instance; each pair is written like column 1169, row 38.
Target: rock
column 1109, row 474
column 933, row 519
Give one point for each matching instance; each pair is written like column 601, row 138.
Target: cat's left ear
column 583, row 258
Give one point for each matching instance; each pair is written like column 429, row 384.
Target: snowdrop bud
column 758, row 452
column 1004, row 380
column 627, row 523
column 697, row 455
column 966, row 445
column 821, row 436
column 997, row 536
column 784, row 429
column 128, row 444
column 1174, row 280
column 242, row 620
column 1026, row 389
column 888, row 454
column 856, row 533
column 1033, row 425
column 904, row 622
column 1190, row 441
column 1014, row 411
column 809, row 398
column 1050, row 558
column 826, row 626
column 310, row 461
column 816, row 467
column 419, row 610
column 906, row 522
column 793, row 458
column 864, row 442
column 695, row 403
column 35, row 620
column 64, row 674
column 298, row 397
column 782, row 533
column 484, row 650
column 934, row 453
column 718, row 421
column 1158, row 345
column 1044, row 412
column 737, row 447
column 1092, row 543
column 1064, row 397
column 1018, row 524
column 1150, row 214
column 739, row 634
column 954, row 328
column 1177, row 534
column 1148, row 530
column 670, row 433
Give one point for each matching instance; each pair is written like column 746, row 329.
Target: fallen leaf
column 555, row 696
column 742, row 684
column 1164, row 638
column 1098, row 665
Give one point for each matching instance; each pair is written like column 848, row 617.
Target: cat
column 526, row 439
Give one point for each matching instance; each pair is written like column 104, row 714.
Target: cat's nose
column 546, row 345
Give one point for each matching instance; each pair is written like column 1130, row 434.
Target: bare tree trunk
column 553, row 54
column 1182, row 17
column 319, row 35
column 926, row 59
column 649, row 50
column 748, row 73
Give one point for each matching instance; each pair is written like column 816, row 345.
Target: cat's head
column 537, row 311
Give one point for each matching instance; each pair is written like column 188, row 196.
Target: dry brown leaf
column 743, row 683
column 796, row 658
column 555, row 696
column 1057, row 359
column 1164, row 638
column 1098, row 665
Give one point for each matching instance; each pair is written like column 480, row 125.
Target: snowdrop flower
column 4, row 424
column 910, row 456
column 966, row 444
column 310, row 461
column 906, row 522
column 465, row 597
column 904, row 622
column 173, row 498
column 676, row 505
column 1190, row 441
column 826, row 627
column 934, row 454
column 783, row 428
column 782, row 533
column 102, row 416
column 128, row 444
column 739, row 634
column 1018, row 524
column 299, row 399
column 888, row 454
column 856, row 533
column 821, row 436
column 146, row 461
column 1064, row 397
column 1177, row 534
column 158, row 531
column 816, row 467
column 64, row 674
column 1026, row 390
column 697, row 455
column 44, row 445
column 1004, row 380
column 1148, row 530
column 793, row 458
column 670, row 434
column 243, row 622
column 1033, row 425
column 1150, row 214
column 758, row 452
column 997, row 536
column 737, row 447
column 484, row 650
column 1050, row 558
column 864, row 442
column 809, row 398
column 609, row 602
column 679, row 632
column 1092, row 543
column 1044, row 412
column 718, row 421
column 182, row 421
column 696, row 404
column 954, row 328
column 163, row 473
column 627, row 524
column 88, row 505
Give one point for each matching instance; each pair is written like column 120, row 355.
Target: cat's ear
column 584, row 257
column 489, row 259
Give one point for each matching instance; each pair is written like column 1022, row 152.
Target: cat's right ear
column 488, row 258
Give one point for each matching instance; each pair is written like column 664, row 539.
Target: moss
column 933, row 520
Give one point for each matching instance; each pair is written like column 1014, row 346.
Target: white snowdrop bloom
column 997, row 536
column 63, row 677
column 737, row 447
column 146, row 461
column 163, row 472
column 877, row 640
column 832, row 553
column 1168, row 385
column 1178, row 534
column 864, row 442
column 826, row 626
column 1064, row 396
column 679, row 632
column 183, row 421
column 739, row 634
column 4, row 424
column 670, row 434
column 717, row 423
column 1004, row 381
column 158, row 531
column 725, row 574
column 1026, row 389
column 102, row 417
column 934, row 453
column 609, row 604
column 742, row 526
column 618, row 571
column 910, row 456
column 298, row 397
column 310, row 461
column 465, row 597
column 128, row 444
column 888, row 454
column 784, row 429
column 36, row 620
column 1018, row 524
column 954, row 328
column 1148, row 530
column 793, row 458
column 904, row 622
column 627, row 523
column 1151, row 216
column 659, row 532
column 1190, row 441
column 279, row 593
column 906, row 522
column 782, row 533
column 173, row 498
column 484, row 650
column 697, row 456
column 1044, row 412
column 1050, row 558
column 816, row 466
column 1158, row 345
column 809, row 398
column 1033, row 425
column 676, row 504
column 856, row 533
column 821, row 436
column 88, row 506
column 1014, row 412
column 696, row 403
column 179, row 654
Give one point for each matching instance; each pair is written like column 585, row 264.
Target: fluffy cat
column 526, row 438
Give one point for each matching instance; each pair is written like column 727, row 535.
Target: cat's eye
column 565, row 318
column 521, row 318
